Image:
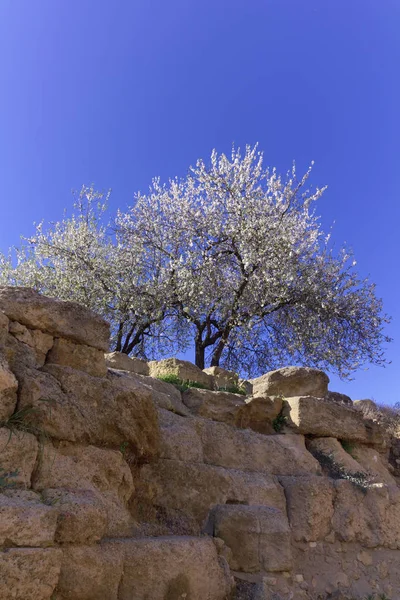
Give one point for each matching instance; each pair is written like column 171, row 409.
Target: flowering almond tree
column 80, row 259
column 250, row 272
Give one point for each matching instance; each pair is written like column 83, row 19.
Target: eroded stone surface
column 25, row 520
column 18, row 451
column 222, row 378
column 8, row 390
column 185, row 370
column 218, row 406
column 292, row 381
column 78, row 356
column 259, row 413
column 29, row 573
column 118, row 360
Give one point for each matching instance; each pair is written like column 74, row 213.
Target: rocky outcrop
column 116, row 485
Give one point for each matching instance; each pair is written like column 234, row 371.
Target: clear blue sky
column 118, row 92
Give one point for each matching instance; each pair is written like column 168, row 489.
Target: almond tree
column 250, row 271
column 80, row 259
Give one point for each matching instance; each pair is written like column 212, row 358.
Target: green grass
column 279, row 422
column 180, row 383
column 232, row 389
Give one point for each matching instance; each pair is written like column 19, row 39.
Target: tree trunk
column 219, row 348
column 199, row 354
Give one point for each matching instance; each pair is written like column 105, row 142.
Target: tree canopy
column 232, row 257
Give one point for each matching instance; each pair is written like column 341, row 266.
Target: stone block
column 8, row 390
column 25, row 520
column 78, row 356
column 62, row 319
column 309, row 506
column 120, row 361
column 258, row 414
column 194, row 489
column 292, row 381
column 258, row 536
column 313, row 416
column 29, row 573
column 183, row 369
column 18, row 454
column 218, row 406
column 222, row 378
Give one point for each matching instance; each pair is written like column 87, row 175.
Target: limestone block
column 309, row 506
column 39, row 341
column 339, row 398
column 258, row 413
column 78, row 356
column 218, row 406
column 222, row 378
column 233, row 448
column 374, row 463
column 179, row 438
column 309, row 415
column 292, row 381
column 102, row 471
column 4, row 325
column 332, row 448
column 90, row 572
column 172, row 568
column 258, row 536
column 18, row 453
column 29, row 573
column 8, row 390
column 193, row 489
column 72, row 405
column 185, row 370
column 62, row 319
column 121, row 361
column 25, row 520
column 82, row 516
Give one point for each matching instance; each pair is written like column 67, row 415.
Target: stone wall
column 115, row 485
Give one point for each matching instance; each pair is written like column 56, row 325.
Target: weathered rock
column 39, row 341
column 29, row 573
column 222, row 378
column 314, row 416
column 78, row 356
column 339, row 398
column 246, row 386
column 173, row 568
column 374, row 463
column 333, row 449
column 258, row 536
column 18, row 451
column 8, row 390
column 102, row 471
column 90, row 572
column 233, row 448
column 218, row 406
column 121, row 361
column 292, row 381
column 62, row 319
column 72, row 405
column 183, row 369
column 25, row 520
column 309, row 506
column 82, row 515
column 259, row 413
column 194, row 489
column 179, row 438
column 4, row 325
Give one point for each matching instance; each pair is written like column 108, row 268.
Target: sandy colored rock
column 25, row 520
column 172, row 568
column 185, row 370
column 194, row 489
column 82, row 516
column 8, row 390
column 179, row 438
column 62, row 319
column 72, row 405
column 374, row 463
column 29, row 573
column 222, row 378
column 314, row 416
column 18, row 452
column 258, row 414
column 339, row 398
column 309, row 506
column 78, row 356
column 121, row 361
column 218, row 406
column 90, row 573
column 233, row 448
column 39, row 341
column 331, row 447
column 4, row 325
column 292, row 381
column 101, row 471
column 258, row 536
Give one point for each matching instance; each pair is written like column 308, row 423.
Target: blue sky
column 118, row 92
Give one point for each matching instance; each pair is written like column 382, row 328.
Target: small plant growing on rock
column 348, row 447
column 6, row 478
column 336, row 471
column 279, row 422
column 232, row 389
column 180, row 383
